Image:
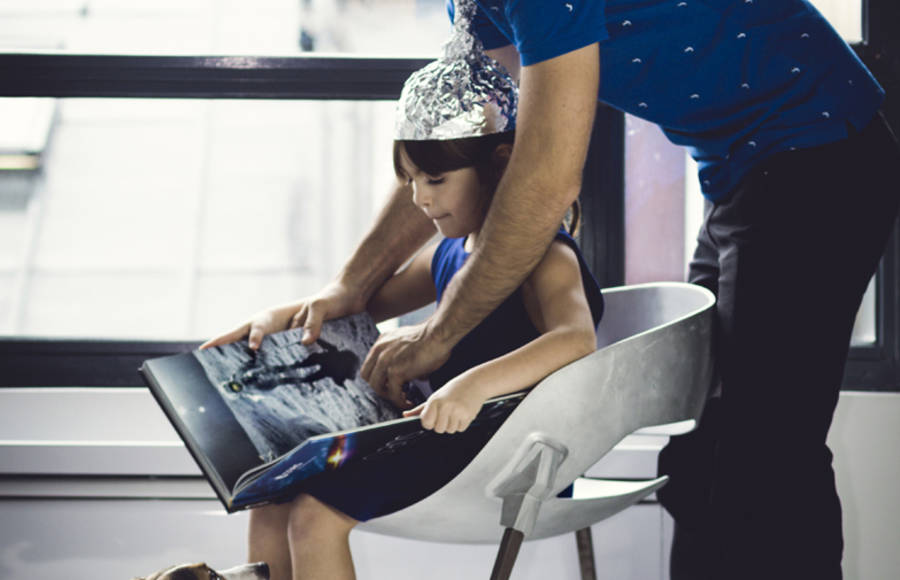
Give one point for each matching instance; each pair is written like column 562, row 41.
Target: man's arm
column 508, row 56
column 405, row 291
column 555, row 299
column 399, row 230
column 557, row 100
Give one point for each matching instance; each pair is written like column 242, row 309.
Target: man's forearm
column 400, row 229
column 556, row 110
column 519, row 228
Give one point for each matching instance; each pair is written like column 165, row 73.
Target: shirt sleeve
column 545, row 29
column 490, row 36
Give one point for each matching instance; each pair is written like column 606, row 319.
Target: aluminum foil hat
column 465, row 93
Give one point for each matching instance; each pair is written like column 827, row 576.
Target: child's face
column 455, row 200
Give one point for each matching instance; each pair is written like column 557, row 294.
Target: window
column 129, row 223
column 188, row 169
column 845, row 15
column 171, row 219
column 269, row 27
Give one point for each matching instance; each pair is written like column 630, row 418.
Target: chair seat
column 653, row 367
column 596, row 500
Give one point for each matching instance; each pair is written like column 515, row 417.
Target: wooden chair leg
column 586, row 554
column 506, row 555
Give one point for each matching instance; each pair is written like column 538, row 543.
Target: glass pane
column 864, row 330
column 416, row 27
column 654, row 205
column 386, row 27
column 844, row 15
column 664, row 210
column 175, row 219
column 7, row 282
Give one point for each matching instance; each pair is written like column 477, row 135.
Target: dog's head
column 258, row 571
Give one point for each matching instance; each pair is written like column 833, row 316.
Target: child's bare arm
column 556, row 302
column 405, row 291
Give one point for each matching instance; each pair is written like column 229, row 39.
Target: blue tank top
column 505, row 329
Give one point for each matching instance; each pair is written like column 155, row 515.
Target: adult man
column 782, row 119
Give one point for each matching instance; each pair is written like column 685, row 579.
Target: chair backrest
column 654, row 366
column 631, row 310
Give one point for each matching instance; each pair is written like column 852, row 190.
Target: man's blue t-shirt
column 735, row 81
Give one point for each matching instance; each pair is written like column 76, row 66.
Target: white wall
column 865, row 439
column 96, row 520
column 76, row 502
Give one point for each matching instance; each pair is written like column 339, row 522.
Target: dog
column 257, row 571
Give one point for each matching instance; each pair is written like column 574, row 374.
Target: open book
column 264, row 425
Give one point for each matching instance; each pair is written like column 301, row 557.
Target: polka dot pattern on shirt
column 732, row 81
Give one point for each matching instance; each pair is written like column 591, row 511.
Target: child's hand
column 260, row 324
column 451, row 408
column 333, row 301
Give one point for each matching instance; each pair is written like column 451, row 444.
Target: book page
column 286, row 392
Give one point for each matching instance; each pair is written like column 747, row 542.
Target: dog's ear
column 192, row 572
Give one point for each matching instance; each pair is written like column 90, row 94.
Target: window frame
column 60, row 362
column 876, row 367
column 42, row 362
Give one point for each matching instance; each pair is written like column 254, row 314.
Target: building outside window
column 172, row 219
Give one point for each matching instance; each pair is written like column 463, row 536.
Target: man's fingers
column 394, row 386
column 369, row 363
column 377, row 373
column 398, row 397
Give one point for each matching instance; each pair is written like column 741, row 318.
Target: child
column 547, row 323
column 451, row 150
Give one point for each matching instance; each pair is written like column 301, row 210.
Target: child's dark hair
column 437, row 157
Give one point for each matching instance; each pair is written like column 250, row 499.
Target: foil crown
column 465, row 93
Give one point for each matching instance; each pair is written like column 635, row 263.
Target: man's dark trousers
column 789, row 255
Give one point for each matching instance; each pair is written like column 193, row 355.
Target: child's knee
column 308, row 515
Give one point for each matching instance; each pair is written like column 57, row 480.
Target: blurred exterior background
column 175, row 219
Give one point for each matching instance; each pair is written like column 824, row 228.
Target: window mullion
column 24, row 276
column 191, row 270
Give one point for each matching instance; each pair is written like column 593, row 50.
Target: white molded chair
column 653, row 367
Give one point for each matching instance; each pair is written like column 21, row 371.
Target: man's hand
column 333, row 301
column 452, row 408
column 400, row 355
